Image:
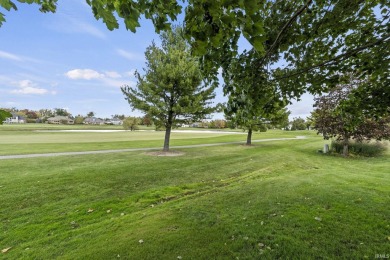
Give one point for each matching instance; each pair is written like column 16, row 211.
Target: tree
column 91, row 114
column 171, row 91
column 298, row 124
column 146, row 120
column 61, row 112
column 4, row 115
column 78, row 120
column 131, row 123
column 218, row 123
column 339, row 114
column 31, row 114
column 46, row 113
column 121, row 117
column 280, row 119
column 253, row 98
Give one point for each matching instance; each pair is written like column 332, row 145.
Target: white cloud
column 130, row 55
column 9, row 56
column 108, row 78
column 87, row 74
column 30, row 90
column 28, row 87
column 26, row 83
column 113, row 74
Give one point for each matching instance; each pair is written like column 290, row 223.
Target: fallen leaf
column 179, row 257
column 140, row 241
column 5, row 250
column 260, row 244
column 90, row 210
column 109, row 211
column 318, row 218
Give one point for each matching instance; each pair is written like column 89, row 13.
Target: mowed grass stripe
column 271, row 200
column 29, row 142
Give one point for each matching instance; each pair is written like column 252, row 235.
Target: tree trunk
column 345, row 148
column 168, row 128
column 249, row 137
column 167, row 138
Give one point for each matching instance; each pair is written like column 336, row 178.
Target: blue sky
column 70, row 60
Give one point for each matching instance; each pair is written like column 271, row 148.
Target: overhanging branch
column 338, row 58
column 284, row 28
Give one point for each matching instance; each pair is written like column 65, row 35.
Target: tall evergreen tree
column 172, row 90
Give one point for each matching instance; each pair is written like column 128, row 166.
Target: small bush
column 30, row 120
column 368, row 149
column 131, row 123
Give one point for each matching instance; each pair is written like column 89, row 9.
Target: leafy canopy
column 316, row 40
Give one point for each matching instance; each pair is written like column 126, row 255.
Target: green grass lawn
column 24, row 139
column 274, row 200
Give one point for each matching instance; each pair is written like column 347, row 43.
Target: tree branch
column 284, row 28
column 340, row 57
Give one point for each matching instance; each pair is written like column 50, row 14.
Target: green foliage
column 4, row 115
column 298, row 124
column 91, row 114
column 61, row 112
column 131, row 123
column 31, row 121
column 368, row 149
column 318, row 40
column 171, row 92
column 79, row 120
column 45, row 6
column 160, row 12
column 218, row 124
column 253, row 99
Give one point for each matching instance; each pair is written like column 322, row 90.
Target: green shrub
column 31, row 120
column 368, row 149
column 131, row 123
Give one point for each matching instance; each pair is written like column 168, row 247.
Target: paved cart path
column 21, row 156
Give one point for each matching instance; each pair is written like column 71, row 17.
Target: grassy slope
column 215, row 202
